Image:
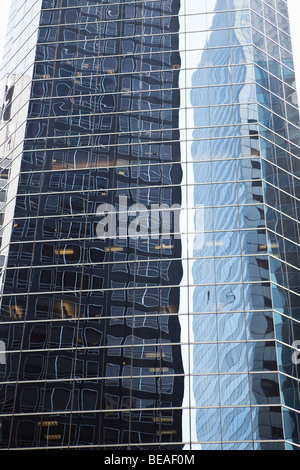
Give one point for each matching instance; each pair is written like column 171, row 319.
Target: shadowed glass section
column 91, row 324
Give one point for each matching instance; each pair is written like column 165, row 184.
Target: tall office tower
column 149, row 226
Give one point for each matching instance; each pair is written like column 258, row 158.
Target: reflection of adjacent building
column 237, row 360
column 93, row 340
column 96, row 320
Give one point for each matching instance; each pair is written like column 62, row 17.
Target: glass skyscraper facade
column 149, row 226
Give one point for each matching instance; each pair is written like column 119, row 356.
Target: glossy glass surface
column 154, row 341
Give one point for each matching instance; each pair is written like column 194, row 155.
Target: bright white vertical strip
column 197, row 21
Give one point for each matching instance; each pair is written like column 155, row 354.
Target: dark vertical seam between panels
column 279, row 206
column 4, row 65
column 27, row 300
column 84, row 241
column 136, row 235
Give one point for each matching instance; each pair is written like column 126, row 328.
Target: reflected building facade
column 246, row 140
column 149, row 340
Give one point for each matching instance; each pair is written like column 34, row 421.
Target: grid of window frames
column 141, row 341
